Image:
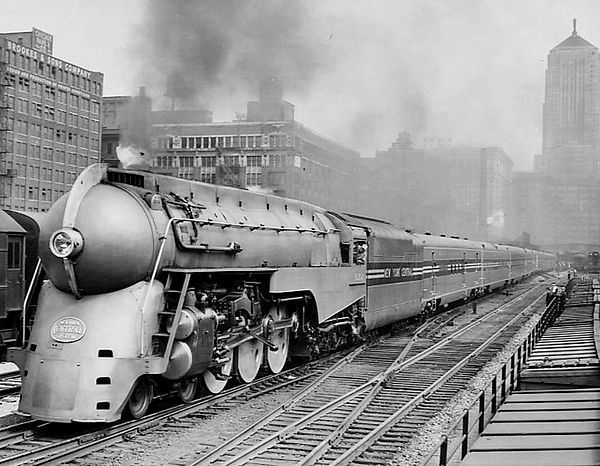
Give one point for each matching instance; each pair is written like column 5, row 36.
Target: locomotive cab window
column 359, row 253
column 345, row 253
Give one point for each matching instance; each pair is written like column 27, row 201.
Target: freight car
column 161, row 284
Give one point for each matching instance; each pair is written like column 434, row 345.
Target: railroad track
column 370, row 406
column 36, row 443
column 10, row 383
column 43, row 443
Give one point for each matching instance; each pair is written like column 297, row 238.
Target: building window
column 254, row 160
column 253, row 179
column 208, row 161
column 275, row 160
column 231, row 160
column 186, row 161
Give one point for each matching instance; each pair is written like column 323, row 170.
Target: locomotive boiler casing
column 121, row 226
column 83, row 356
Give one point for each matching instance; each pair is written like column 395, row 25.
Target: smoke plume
column 199, row 52
column 361, row 72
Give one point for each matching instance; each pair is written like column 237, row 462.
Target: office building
column 49, row 121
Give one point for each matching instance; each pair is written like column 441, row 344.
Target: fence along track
column 303, row 430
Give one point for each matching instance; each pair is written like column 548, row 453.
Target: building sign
column 45, row 58
column 67, row 330
column 42, row 41
column 48, row 82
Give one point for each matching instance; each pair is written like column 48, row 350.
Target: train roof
column 378, row 228
column 450, row 242
column 9, row 225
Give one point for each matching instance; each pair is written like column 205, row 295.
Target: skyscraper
column 557, row 204
column 571, row 137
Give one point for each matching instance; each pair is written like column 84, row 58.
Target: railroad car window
column 14, row 255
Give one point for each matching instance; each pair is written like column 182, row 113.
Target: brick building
column 267, row 150
column 49, row 121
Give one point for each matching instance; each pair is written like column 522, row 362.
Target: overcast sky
column 358, row 72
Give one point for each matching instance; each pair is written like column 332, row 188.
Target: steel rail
column 233, row 442
column 360, row 391
column 75, row 447
column 14, row 433
column 354, row 452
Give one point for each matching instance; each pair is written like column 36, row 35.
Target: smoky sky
column 362, row 71
column 209, row 50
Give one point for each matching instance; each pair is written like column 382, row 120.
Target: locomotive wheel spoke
column 248, row 359
column 214, row 384
column 281, row 339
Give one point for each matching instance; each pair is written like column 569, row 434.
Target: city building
column 266, row 150
column 444, row 189
column 556, row 204
column 49, row 121
column 571, row 109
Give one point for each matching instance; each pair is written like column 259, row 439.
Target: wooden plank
column 563, row 395
column 542, row 442
column 543, row 427
column 533, row 458
column 528, row 416
column 556, row 405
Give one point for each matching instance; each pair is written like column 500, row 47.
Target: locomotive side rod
column 257, row 332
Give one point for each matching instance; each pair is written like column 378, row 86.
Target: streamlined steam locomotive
column 158, row 284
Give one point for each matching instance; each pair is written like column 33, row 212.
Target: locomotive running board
column 228, row 270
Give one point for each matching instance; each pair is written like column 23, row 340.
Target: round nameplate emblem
column 68, row 330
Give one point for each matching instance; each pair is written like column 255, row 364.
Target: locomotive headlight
column 66, row 242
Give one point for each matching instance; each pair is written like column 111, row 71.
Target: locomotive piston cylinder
column 186, row 325
column 180, row 361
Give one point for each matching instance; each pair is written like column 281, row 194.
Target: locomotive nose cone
column 109, row 247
